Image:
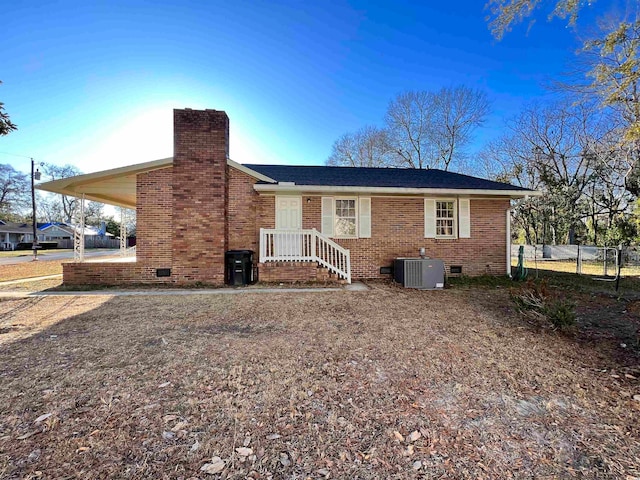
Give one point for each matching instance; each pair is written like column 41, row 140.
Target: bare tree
column 409, row 117
column 459, row 111
column 368, row 147
column 509, row 159
column 558, row 149
column 431, row 129
column 63, row 207
column 14, row 192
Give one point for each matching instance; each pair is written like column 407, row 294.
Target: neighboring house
column 194, row 207
column 57, row 231
column 11, row 234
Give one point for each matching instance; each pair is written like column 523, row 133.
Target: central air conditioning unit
column 421, row 273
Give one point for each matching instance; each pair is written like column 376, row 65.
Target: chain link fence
column 581, row 259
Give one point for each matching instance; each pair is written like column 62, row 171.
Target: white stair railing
column 304, row 246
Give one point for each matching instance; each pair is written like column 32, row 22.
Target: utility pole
column 35, row 175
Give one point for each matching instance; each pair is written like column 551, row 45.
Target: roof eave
column 394, row 190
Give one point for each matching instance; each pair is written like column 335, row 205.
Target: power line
column 15, row 155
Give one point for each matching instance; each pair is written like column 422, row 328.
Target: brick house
column 303, row 222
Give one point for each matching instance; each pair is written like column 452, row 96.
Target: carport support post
column 78, row 235
column 34, row 243
column 508, row 241
column 123, row 232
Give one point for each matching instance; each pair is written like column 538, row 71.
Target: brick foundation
column 290, row 272
column 110, row 273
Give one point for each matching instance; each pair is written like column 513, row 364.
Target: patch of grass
column 21, row 270
column 488, row 281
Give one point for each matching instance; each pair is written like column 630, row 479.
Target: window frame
column 454, row 228
column 356, row 201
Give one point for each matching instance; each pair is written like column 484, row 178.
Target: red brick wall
column 107, row 273
column 243, row 200
column 397, row 230
column 290, row 272
column 154, row 227
column 200, row 195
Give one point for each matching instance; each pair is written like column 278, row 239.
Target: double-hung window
column 445, row 218
column 345, row 217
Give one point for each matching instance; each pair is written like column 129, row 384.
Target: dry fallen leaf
column 244, row 451
column 42, row 417
column 398, row 436
column 415, row 435
column 215, row 466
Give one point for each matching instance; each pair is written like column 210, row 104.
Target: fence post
column 619, row 265
column 578, row 268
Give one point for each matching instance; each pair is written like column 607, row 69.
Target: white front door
column 288, row 217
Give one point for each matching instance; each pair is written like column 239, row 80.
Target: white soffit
column 118, row 186
column 114, row 187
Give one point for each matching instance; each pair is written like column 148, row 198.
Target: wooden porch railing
column 304, row 246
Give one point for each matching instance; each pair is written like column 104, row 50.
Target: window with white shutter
column 464, row 218
column 440, row 218
column 429, row 218
column 346, row 217
column 365, row 218
column 327, row 216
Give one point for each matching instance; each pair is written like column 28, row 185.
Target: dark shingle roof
column 13, row 227
column 377, row 177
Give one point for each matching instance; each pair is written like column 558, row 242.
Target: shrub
column 536, row 301
column 561, row 313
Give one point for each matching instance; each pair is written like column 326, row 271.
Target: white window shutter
column 327, row 216
column 464, row 217
column 365, row 218
column 429, row 218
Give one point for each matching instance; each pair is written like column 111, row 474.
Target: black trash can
column 239, row 267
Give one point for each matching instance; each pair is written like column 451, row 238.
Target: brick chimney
column 200, row 195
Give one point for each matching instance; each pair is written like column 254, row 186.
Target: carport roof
column 118, row 186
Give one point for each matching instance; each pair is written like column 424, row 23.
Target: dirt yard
column 389, row 383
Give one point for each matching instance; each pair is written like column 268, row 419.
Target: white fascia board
column 393, row 190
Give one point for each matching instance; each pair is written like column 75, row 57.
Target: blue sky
column 94, row 83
